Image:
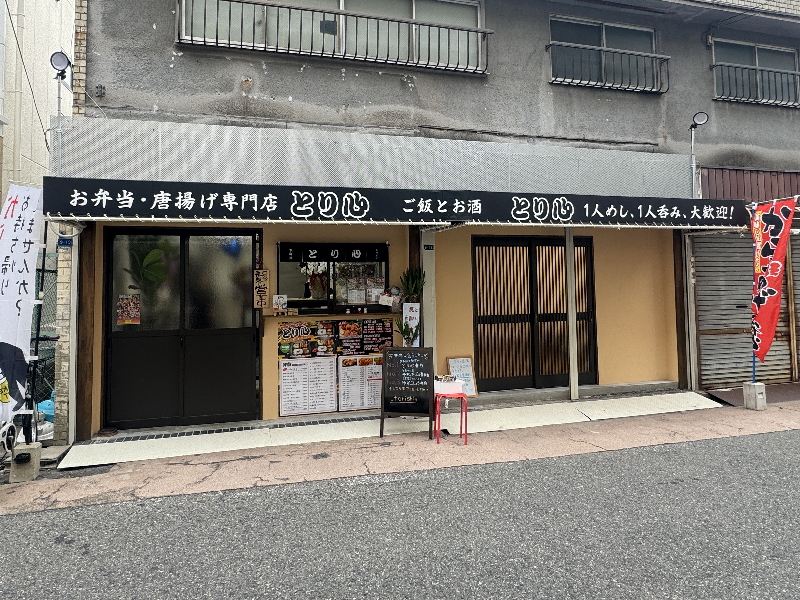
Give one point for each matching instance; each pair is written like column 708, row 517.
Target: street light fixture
column 60, row 62
column 698, row 119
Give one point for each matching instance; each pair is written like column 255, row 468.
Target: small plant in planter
column 412, row 281
column 408, row 333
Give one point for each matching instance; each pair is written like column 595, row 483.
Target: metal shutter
column 723, row 290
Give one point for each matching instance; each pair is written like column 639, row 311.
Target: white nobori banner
column 20, row 224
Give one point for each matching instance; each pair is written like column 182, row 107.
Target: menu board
column 303, row 344
column 295, row 340
column 408, row 380
column 325, row 336
column 350, row 341
column 308, row 385
column 360, row 379
column 407, row 384
column 377, row 334
column 461, row 368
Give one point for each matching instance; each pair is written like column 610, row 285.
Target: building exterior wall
column 146, row 75
column 32, row 31
column 165, row 111
column 43, row 27
column 636, row 329
column 634, row 295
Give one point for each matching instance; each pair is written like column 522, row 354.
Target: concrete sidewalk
column 278, row 465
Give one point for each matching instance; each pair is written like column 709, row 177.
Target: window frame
column 757, row 69
column 660, row 77
column 185, row 33
column 603, row 24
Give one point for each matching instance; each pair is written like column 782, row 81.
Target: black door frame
column 184, row 233
column 536, row 379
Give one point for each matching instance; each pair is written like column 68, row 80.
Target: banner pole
column 752, row 329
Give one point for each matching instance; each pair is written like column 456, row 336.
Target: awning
column 169, row 201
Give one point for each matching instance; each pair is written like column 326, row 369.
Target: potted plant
column 407, row 332
column 412, row 281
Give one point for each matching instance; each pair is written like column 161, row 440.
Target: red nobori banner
column 770, row 226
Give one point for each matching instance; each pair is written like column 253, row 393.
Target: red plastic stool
column 437, row 416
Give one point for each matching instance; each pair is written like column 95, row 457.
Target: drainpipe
column 3, row 120
column 16, row 169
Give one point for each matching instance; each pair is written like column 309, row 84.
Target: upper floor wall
column 31, row 32
column 589, row 75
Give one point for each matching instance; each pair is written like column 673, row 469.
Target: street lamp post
column 60, row 62
column 698, row 119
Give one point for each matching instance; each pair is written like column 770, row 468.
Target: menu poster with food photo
column 308, row 386
column 349, row 341
column 296, row 340
column 129, row 309
column 377, row 334
column 325, row 337
column 360, row 381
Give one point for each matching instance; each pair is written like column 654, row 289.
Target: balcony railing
column 737, row 83
column 591, row 66
column 270, row 27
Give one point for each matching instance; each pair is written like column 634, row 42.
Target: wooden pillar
column 87, row 296
column 414, row 261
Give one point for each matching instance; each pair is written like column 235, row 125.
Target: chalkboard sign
column 408, row 384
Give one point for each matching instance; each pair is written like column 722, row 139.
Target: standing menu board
column 308, row 385
column 360, row 379
column 407, row 384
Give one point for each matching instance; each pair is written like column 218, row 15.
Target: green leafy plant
column 408, row 333
column 412, row 281
column 149, row 271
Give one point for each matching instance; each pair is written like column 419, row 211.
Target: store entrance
column 181, row 347
column 520, row 295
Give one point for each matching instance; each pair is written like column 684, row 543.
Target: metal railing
column 738, row 83
column 591, row 66
column 271, row 27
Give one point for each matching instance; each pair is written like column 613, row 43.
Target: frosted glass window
column 219, row 282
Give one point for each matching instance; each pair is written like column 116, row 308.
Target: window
column 441, row 34
column 333, row 278
column 606, row 55
column 753, row 73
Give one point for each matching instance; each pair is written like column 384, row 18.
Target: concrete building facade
column 534, row 100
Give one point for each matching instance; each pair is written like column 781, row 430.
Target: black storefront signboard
column 131, row 200
column 407, row 384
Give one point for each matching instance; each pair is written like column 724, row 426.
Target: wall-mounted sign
column 261, row 297
column 120, row 199
column 303, row 252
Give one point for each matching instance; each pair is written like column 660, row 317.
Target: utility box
column 25, row 462
column 755, row 395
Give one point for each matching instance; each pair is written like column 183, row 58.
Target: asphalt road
column 709, row 519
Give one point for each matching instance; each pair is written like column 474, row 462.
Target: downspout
column 16, row 169
column 3, row 120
